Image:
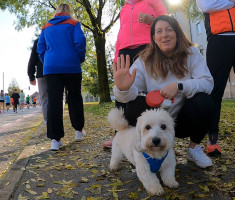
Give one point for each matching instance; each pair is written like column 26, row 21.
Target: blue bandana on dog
column 154, row 163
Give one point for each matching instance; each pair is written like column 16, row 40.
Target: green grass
column 97, row 108
column 227, row 118
column 100, row 109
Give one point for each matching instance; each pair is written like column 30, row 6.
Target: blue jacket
column 62, row 46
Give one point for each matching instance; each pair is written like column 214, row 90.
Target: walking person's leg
column 15, row 106
column 220, row 59
column 23, row 104
column 42, row 88
column 75, row 103
column 55, row 128
column 0, row 106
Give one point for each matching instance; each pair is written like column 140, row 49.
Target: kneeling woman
column 174, row 66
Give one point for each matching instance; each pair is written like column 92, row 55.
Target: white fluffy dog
column 151, row 141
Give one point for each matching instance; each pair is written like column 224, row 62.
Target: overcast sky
column 14, row 53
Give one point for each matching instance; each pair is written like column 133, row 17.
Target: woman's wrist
column 151, row 19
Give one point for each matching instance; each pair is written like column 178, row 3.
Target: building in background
column 196, row 33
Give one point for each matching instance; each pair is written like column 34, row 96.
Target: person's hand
column 145, row 18
column 33, row 82
column 169, row 91
column 122, row 77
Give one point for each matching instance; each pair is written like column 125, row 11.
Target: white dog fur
column 132, row 141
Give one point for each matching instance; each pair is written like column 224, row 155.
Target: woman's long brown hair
column 155, row 59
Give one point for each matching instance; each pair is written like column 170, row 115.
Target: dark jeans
column 55, row 88
column 193, row 120
column 220, row 58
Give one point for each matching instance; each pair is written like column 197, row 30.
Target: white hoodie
column 198, row 79
column 209, row 6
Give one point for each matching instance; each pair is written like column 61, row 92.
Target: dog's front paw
column 156, row 190
column 171, row 183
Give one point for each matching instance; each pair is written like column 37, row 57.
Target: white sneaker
column 55, row 146
column 199, row 157
column 79, row 135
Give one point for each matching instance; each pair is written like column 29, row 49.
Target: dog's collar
column 155, row 164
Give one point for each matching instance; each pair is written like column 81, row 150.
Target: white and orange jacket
column 219, row 16
column 131, row 32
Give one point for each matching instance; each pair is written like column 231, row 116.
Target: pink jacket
column 132, row 32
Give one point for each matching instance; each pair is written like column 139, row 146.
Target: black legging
column 55, row 88
column 193, row 120
column 15, row 104
column 220, row 58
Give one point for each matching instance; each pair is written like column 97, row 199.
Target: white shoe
column 79, row 135
column 55, row 146
column 199, row 157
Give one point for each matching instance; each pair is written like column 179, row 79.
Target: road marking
column 8, row 125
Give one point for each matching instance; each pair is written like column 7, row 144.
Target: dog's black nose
column 156, row 141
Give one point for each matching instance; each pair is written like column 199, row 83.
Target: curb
column 14, row 174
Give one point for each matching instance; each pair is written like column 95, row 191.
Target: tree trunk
column 102, row 69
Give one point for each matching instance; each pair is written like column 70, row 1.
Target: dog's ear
column 138, row 136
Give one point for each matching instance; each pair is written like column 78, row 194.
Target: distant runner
column 22, row 100
column 7, row 101
column 15, row 97
column 27, row 101
column 34, row 102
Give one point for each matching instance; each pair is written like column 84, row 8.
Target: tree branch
column 81, row 2
column 100, row 10
column 111, row 23
column 88, row 27
column 52, row 5
column 45, row 4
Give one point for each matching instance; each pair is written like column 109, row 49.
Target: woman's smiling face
column 165, row 37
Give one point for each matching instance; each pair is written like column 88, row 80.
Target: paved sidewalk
column 16, row 172
column 80, row 171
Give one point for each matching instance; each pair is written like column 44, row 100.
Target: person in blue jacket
column 61, row 48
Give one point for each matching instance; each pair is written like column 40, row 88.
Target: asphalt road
column 15, row 131
column 9, row 118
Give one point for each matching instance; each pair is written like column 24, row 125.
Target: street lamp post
column 3, row 81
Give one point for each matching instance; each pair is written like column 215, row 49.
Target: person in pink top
column 136, row 17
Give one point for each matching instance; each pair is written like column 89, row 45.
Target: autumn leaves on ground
column 80, row 170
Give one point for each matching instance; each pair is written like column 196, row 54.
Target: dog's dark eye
column 163, row 127
column 148, row 127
